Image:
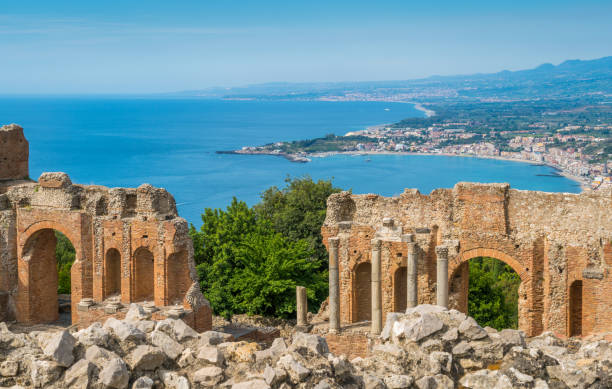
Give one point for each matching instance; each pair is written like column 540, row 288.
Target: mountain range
column 585, row 79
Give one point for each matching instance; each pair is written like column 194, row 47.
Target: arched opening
column 178, row 279
column 400, row 286
column 144, row 275
column 575, row 309
column 112, row 273
column 363, row 292
column 49, row 255
column 488, row 289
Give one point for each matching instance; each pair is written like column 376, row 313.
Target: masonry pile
column 428, row 347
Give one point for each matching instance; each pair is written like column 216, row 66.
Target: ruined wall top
column 474, row 208
column 56, row 191
column 14, row 152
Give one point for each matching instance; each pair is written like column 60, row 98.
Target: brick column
column 412, row 299
column 442, row 276
column 376, row 289
column 334, row 286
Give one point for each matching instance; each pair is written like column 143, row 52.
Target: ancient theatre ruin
column 130, row 243
column 389, row 253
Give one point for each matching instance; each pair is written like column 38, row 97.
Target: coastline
column 583, row 184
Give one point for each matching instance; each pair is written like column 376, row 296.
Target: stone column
column 412, row 299
column 376, row 289
column 442, row 276
column 334, row 286
column 301, row 305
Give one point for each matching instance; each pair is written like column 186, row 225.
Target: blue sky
column 158, row 46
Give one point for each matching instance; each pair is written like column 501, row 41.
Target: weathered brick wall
column 549, row 239
column 352, row 345
column 14, row 153
column 128, row 241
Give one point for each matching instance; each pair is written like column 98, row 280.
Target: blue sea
column 171, row 143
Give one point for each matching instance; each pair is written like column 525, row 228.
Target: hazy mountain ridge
column 570, row 79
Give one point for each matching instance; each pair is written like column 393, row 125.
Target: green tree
column 298, row 210
column 493, row 293
column 245, row 266
column 65, row 256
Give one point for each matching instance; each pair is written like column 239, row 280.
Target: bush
column 65, row 256
column 493, row 293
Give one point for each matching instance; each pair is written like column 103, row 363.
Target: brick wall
column 549, row 239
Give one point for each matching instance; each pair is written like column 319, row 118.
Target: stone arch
column 362, row 299
column 38, row 276
column 400, row 289
column 459, row 265
column 144, row 274
column 112, row 272
column 178, row 280
column 575, row 308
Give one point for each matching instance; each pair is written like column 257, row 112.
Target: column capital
column 376, row 243
column 411, row 247
column 442, row 252
column 409, row 238
column 333, row 241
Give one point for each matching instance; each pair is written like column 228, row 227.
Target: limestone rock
column 470, row 329
column 146, row 358
column 296, row 370
column 44, row 373
column 309, row 344
column 278, row 347
column 168, row 345
column 396, row 381
column 208, row 376
column 145, row 326
column 135, row 313
column 95, row 334
column 9, row 368
column 181, row 331
column 187, row 358
column 485, row 379
column 79, row 375
column 115, row 374
column 59, row 346
column 213, row 338
column 124, row 331
column 417, row 329
column 99, row 356
column 174, row 380
column 211, row 355
column 143, row 382
column 252, row 384
column 274, row 376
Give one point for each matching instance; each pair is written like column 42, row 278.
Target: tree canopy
column 493, row 293
column 251, row 259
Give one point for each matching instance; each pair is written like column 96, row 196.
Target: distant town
column 579, row 152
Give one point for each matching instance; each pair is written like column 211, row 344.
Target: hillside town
column 563, row 150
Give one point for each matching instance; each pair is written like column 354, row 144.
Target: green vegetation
column 493, row 293
column 65, row 255
column 251, row 259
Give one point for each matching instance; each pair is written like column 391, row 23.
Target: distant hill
column 590, row 79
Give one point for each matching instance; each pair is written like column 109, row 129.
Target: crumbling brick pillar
column 442, row 276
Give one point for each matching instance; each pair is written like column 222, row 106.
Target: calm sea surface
column 171, row 143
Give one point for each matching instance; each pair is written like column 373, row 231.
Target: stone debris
column 427, row 347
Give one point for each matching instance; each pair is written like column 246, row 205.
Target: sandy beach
column 583, row 183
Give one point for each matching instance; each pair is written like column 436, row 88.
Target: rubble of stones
column 427, row 347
